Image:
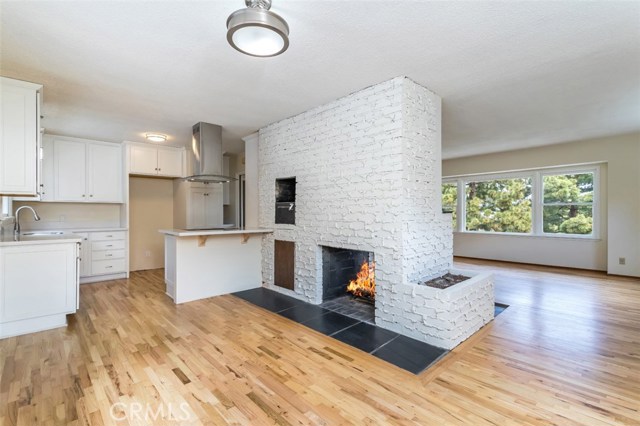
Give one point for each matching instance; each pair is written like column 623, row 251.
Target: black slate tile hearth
column 409, row 354
column 330, row 323
column 499, row 308
column 365, row 337
column 406, row 353
column 269, row 300
column 301, row 313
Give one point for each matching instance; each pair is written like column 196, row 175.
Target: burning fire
column 365, row 283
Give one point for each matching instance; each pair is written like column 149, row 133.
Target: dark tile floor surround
column 401, row 351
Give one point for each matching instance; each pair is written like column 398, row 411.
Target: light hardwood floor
column 567, row 351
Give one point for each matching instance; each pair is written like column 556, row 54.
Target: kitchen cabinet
column 84, row 254
column 38, row 286
column 102, row 253
column 204, row 209
column 19, row 136
column 145, row 159
column 82, row 171
column 197, row 205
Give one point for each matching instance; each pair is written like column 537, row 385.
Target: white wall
column 251, row 207
column 620, row 207
column 69, row 215
column 150, row 209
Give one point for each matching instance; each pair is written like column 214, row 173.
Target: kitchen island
column 207, row 263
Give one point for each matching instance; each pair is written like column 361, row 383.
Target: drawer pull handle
column 109, row 245
column 108, row 267
column 109, row 236
column 108, row 255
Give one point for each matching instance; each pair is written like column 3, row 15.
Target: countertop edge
column 213, row 232
column 40, row 241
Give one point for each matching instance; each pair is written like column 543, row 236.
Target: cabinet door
column 143, row 160
column 196, row 217
column 48, row 289
column 69, row 175
column 104, row 173
column 84, row 254
column 47, row 181
column 18, row 139
column 170, row 162
column 213, row 207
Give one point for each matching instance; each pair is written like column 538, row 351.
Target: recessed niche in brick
column 286, row 201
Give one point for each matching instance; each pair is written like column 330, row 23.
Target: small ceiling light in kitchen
column 256, row 31
column 156, row 137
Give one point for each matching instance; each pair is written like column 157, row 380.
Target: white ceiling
column 511, row 74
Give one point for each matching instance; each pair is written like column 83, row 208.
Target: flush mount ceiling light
column 256, row 31
column 156, row 137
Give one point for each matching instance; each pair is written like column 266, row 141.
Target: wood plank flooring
column 566, row 351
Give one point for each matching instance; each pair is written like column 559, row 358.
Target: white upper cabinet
column 19, row 136
column 78, row 170
column 170, row 162
column 104, row 173
column 145, row 159
column 69, row 170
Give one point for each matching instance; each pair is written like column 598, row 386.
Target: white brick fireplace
column 368, row 173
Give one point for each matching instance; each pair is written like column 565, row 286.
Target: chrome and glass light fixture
column 256, row 31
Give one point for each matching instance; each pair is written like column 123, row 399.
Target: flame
column 365, row 283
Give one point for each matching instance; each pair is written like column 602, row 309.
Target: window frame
column 537, row 198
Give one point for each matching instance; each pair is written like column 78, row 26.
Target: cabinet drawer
column 107, row 245
column 99, row 267
column 107, row 254
column 107, row 236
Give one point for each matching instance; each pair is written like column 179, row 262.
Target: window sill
column 534, row 236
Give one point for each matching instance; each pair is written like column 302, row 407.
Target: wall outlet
column 147, row 253
column 622, row 261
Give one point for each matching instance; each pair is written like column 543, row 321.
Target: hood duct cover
column 206, row 154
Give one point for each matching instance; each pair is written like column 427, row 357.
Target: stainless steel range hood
column 206, row 154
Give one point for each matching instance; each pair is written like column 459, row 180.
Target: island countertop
column 213, row 232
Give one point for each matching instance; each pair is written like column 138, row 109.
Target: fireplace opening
column 348, row 282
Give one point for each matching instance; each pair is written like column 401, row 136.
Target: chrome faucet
column 16, row 224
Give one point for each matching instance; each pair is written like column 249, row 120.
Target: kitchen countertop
column 7, row 239
column 72, row 230
column 213, row 232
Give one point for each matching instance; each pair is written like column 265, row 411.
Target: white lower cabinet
column 102, row 253
column 84, row 254
column 38, row 286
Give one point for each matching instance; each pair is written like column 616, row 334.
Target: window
column 546, row 202
column 450, row 200
column 501, row 205
column 567, row 203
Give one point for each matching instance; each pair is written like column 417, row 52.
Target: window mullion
column 536, row 203
column 461, row 203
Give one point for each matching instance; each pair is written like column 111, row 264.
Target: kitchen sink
column 41, row 233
